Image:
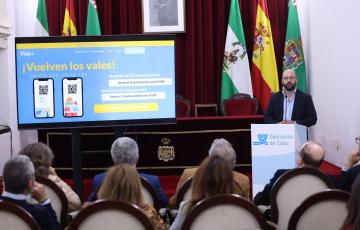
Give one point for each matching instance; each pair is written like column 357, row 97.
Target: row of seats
column 60, row 204
column 238, row 104
column 300, row 199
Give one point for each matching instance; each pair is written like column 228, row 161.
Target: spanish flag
column 69, row 27
column 264, row 71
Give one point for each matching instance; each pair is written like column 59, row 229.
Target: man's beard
column 289, row 86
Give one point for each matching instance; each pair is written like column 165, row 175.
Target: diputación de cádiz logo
column 262, row 139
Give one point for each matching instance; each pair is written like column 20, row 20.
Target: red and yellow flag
column 69, row 27
column 264, row 72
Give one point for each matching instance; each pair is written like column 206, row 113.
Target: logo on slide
column 262, row 139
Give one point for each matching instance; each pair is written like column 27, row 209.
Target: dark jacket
column 303, row 113
column 44, row 215
column 153, row 180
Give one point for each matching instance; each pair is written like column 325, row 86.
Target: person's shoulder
column 354, row 169
column 99, row 176
column 279, row 172
column 149, row 177
column 240, row 177
column 301, row 94
column 190, row 171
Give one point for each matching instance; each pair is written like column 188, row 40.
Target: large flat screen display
column 95, row 81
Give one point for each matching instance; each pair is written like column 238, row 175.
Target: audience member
column 311, row 155
column 350, row 171
column 122, row 183
column 219, row 147
column 19, row 184
column 213, row 177
column 352, row 221
column 125, row 150
column 42, row 157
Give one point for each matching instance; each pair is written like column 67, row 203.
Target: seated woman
column 42, row 157
column 213, row 177
column 122, row 182
column 352, row 221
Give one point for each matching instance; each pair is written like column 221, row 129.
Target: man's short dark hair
column 17, row 173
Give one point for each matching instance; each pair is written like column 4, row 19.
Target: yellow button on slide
column 128, row 107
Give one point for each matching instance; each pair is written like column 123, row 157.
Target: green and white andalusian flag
column 293, row 53
column 92, row 21
column 236, row 76
column 41, row 27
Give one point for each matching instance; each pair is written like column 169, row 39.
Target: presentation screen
column 89, row 81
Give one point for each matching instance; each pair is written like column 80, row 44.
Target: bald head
column 289, row 80
column 312, row 154
column 289, row 72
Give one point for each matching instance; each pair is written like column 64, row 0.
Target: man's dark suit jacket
column 263, row 198
column 153, row 180
column 44, row 215
column 303, row 113
column 348, row 177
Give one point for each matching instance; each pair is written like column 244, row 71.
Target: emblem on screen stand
column 166, row 152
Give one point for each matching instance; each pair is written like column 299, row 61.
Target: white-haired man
column 19, row 185
column 224, row 149
column 125, row 150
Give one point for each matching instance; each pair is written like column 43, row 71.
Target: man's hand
column 282, row 122
column 353, row 158
column 38, row 192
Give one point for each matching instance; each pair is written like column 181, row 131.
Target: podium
column 273, row 147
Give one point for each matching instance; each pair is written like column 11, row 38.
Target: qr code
column 72, row 89
column 43, row 89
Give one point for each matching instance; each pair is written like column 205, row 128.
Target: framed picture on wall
column 163, row 16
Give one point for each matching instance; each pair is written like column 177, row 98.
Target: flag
column 69, row 27
column 236, row 76
column 293, row 52
column 92, row 22
column 264, row 70
column 42, row 27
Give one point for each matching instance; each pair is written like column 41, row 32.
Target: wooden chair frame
column 288, row 176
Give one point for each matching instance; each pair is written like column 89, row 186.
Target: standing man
column 290, row 106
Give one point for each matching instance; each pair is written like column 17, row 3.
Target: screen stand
column 77, row 160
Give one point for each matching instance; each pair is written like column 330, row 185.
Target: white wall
column 331, row 42
column 8, row 114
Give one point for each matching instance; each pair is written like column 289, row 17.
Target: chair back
column 323, row 210
column 240, row 104
column 182, row 106
column 185, row 191
column 14, row 217
column 149, row 194
column 111, row 215
column 224, row 212
column 57, row 197
column 292, row 188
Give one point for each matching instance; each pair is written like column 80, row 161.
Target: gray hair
column 224, row 149
column 17, row 173
column 125, row 150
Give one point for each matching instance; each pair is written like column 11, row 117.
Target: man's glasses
column 288, row 78
column 357, row 140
